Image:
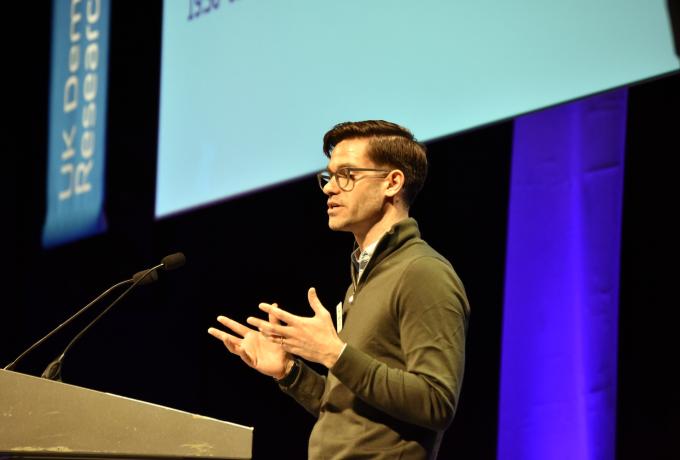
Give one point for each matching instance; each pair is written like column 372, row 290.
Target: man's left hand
column 312, row 338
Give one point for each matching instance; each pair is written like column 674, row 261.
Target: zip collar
column 396, row 237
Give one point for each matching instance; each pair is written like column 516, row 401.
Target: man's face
column 358, row 210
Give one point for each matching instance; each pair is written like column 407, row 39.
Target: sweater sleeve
column 432, row 314
column 307, row 387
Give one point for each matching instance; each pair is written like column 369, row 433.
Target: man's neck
column 378, row 229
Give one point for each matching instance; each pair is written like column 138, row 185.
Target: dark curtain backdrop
column 274, row 244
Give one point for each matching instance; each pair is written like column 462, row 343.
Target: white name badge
column 338, row 316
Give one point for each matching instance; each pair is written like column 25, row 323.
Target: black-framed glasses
column 346, row 177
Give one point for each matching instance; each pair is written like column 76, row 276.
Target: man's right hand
column 256, row 350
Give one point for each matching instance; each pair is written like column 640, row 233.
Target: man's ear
column 395, row 182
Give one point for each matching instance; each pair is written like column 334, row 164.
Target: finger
column 218, row 334
column 281, row 315
column 286, row 343
column 249, row 359
column 267, row 308
column 292, row 348
column 245, row 356
column 314, row 302
column 265, row 327
column 237, row 327
column 233, row 344
column 277, row 339
column 273, row 319
column 229, row 340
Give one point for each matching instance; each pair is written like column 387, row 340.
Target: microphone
column 171, row 262
column 143, row 277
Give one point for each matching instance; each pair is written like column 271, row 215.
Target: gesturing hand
column 256, row 350
column 312, row 338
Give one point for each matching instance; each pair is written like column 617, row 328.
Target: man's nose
column 331, row 187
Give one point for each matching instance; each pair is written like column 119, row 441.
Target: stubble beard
column 335, row 224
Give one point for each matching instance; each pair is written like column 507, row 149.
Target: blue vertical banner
column 77, row 124
column 560, row 317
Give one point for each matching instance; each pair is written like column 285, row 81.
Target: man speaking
column 396, row 351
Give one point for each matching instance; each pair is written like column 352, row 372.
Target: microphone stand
column 53, row 370
column 13, row 364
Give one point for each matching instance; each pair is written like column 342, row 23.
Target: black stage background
column 273, row 245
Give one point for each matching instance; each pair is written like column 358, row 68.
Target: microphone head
column 173, row 261
column 152, row 277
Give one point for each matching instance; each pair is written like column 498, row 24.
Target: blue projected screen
column 249, row 87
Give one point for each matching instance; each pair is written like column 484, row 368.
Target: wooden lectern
column 40, row 418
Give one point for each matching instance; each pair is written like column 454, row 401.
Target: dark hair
column 388, row 145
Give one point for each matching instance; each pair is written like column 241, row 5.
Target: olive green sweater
column 394, row 389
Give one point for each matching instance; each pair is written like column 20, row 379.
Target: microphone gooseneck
column 53, row 370
column 171, row 262
column 13, row 364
